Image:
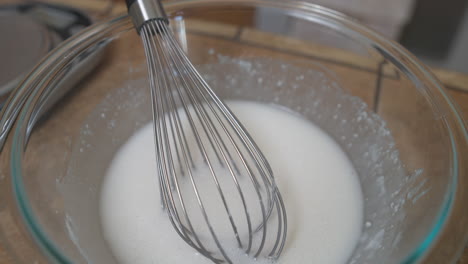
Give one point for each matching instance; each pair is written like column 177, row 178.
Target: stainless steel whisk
column 215, row 184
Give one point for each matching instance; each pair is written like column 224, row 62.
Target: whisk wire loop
column 192, row 123
column 154, row 62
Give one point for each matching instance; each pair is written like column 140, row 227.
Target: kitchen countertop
column 352, row 69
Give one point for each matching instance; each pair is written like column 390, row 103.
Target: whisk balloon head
column 215, row 184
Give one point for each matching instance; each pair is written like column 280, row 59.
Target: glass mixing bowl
column 391, row 116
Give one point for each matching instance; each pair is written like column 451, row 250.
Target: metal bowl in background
column 30, row 31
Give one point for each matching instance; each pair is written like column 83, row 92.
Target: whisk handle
column 142, row 11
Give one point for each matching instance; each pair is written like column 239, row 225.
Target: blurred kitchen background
column 436, row 31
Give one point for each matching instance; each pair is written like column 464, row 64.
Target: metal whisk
column 215, row 184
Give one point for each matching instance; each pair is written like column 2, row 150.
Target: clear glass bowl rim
column 36, row 83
